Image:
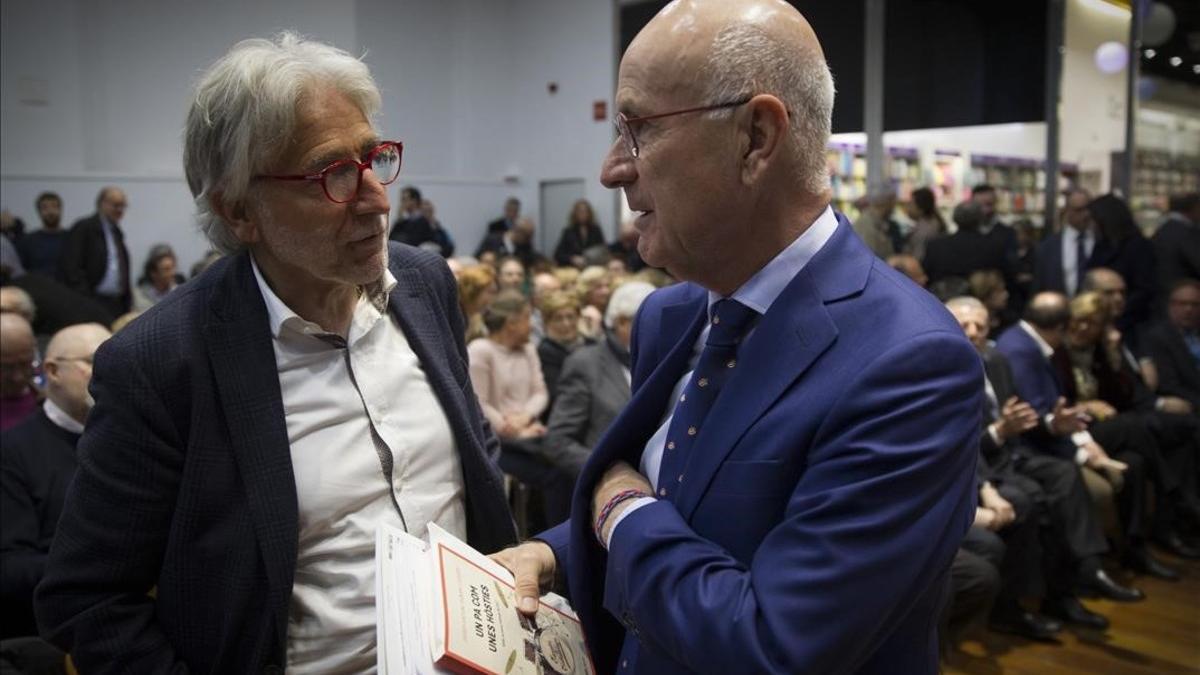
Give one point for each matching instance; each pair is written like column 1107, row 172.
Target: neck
column 328, row 304
column 766, row 245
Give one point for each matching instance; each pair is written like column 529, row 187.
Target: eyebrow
column 324, row 160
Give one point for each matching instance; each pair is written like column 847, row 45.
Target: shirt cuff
column 994, row 434
column 1081, row 456
column 634, row 505
column 1081, row 438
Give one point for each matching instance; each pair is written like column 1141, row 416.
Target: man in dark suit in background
column 1173, row 345
column 803, row 417
column 95, row 260
column 415, row 229
column 517, row 241
column 512, row 211
column 1177, row 243
column 1063, row 258
column 309, row 388
column 967, row 250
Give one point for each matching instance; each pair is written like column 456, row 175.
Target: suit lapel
column 793, row 333
column 247, row 381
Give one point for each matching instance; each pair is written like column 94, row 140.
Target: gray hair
column 745, row 59
column 244, row 112
column 966, row 301
column 626, row 300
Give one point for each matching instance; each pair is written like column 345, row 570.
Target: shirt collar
column 280, row 315
column 60, row 418
column 761, row 290
column 1047, row 350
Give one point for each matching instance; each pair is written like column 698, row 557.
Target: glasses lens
column 385, row 164
column 341, row 181
column 626, row 135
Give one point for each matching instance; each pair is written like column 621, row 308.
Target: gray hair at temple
column 243, row 114
column 745, row 59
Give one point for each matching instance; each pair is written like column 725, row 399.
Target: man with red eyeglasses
column 787, row 487
column 253, row 429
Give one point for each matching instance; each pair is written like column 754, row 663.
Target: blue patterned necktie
column 716, row 365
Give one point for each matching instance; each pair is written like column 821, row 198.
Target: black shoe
column 1099, row 583
column 1139, row 560
column 1174, row 544
column 1027, row 625
column 1069, row 609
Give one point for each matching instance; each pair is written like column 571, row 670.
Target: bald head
column 17, row 301
column 69, row 367
column 17, row 353
column 1048, row 313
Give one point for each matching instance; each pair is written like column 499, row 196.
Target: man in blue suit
column 252, row 430
column 793, row 474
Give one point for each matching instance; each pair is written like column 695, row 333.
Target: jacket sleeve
column 109, row 546
column 72, row 262
column 868, row 531
column 570, row 417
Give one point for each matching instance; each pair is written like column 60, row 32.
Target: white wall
column 463, row 84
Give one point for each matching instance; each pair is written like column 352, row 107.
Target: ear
column 237, row 216
column 766, row 130
column 51, row 369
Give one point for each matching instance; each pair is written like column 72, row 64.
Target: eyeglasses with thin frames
column 625, row 124
column 342, row 179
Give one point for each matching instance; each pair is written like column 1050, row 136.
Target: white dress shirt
column 351, row 411
column 758, row 293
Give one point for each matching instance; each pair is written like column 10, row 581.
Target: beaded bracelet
column 623, row 496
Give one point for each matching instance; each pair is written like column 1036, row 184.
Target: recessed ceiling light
column 1176, row 61
column 1150, row 53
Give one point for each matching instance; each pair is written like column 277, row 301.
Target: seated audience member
column 1173, row 345
column 910, row 267
column 18, row 354
column 927, row 222
column 507, row 378
column 158, row 278
column 594, row 386
column 204, row 263
column 1177, row 243
column 541, row 285
column 1026, row 259
column 414, row 228
column 41, row 249
column 617, row 267
column 560, row 312
column 17, row 301
column 512, row 212
column 988, row 286
column 517, row 241
column 476, row 290
column 594, row 288
column 1030, row 348
column 1094, row 373
column 511, row 274
column 441, row 238
column 1129, row 254
column 876, row 227
column 967, row 250
column 974, row 583
column 38, row 463
column 1075, row 540
column 625, row 247
column 581, row 233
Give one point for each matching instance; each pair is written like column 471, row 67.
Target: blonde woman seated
column 594, row 287
column 507, row 377
column 476, row 290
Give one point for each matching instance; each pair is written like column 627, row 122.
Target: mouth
column 641, row 216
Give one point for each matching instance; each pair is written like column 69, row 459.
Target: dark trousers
column 521, row 459
column 974, row 582
column 1127, row 438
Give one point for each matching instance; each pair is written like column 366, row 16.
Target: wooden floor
column 1161, row 634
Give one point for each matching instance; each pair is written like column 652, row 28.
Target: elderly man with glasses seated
column 253, row 429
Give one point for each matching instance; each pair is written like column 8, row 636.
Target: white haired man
column 253, row 429
column 803, row 418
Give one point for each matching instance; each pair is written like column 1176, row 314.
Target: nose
column 372, row 195
column 618, row 169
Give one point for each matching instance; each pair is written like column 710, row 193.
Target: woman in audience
column 988, row 287
column 512, row 274
column 581, row 233
column 508, row 380
column 927, row 222
column 560, row 317
column 159, row 278
column 594, row 288
column 1131, row 255
column 594, row 384
column 476, row 289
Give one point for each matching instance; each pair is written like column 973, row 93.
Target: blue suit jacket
column 1036, row 383
column 814, row 524
column 185, row 478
